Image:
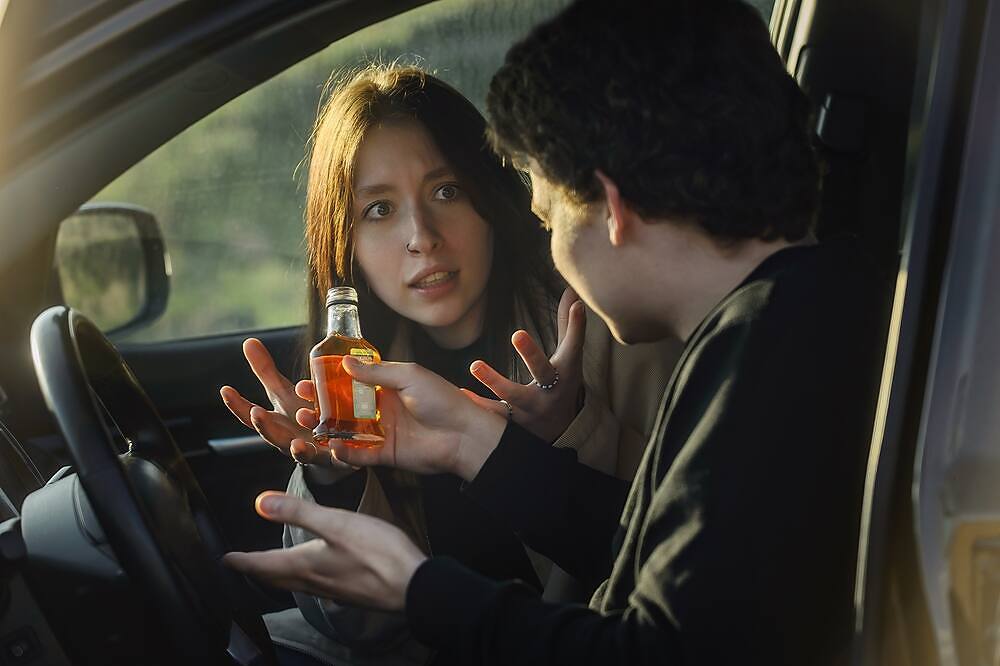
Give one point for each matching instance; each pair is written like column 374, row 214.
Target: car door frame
column 218, row 51
column 889, row 568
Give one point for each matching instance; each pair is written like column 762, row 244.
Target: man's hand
column 276, row 426
column 429, row 426
column 545, row 412
column 355, row 558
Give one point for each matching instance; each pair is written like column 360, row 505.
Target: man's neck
column 714, row 272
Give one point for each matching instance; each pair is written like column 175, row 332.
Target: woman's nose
column 423, row 236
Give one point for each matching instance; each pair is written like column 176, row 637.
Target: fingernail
column 269, row 504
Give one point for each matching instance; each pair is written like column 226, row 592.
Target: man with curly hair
column 670, row 157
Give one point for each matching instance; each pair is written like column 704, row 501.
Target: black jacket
column 739, row 535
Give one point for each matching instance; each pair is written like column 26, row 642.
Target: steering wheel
column 152, row 510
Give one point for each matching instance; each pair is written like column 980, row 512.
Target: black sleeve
column 745, row 546
column 507, row 623
column 562, row 508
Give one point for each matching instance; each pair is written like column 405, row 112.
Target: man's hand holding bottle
column 430, row 427
column 427, row 419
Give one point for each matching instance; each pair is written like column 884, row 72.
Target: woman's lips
column 435, row 283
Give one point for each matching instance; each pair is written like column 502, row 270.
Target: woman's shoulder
column 623, row 385
column 634, row 376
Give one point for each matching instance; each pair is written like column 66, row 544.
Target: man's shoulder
column 796, row 346
column 815, row 286
column 805, row 307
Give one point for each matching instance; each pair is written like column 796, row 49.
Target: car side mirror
column 112, row 265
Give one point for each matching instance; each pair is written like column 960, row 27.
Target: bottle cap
column 341, row 296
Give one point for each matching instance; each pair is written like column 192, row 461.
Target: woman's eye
column 447, row 192
column 377, row 209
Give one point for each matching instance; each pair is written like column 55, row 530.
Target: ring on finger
column 551, row 385
column 510, row 410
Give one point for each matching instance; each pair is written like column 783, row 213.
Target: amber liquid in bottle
column 348, row 410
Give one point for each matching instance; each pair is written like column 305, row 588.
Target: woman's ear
column 617, row 209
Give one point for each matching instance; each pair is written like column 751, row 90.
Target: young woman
column 407, row 202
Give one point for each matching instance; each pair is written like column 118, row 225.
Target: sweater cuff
column 445, row 601
column 536, row 466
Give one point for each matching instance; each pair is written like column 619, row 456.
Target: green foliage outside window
column 228, row 192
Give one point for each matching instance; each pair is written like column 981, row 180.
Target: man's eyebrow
column 541, row 212
column 518, row 161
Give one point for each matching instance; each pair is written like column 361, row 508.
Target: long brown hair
column 359, row 102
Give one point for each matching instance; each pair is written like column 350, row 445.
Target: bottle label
column 364, row 395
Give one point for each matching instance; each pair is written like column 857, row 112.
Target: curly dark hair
column 689, row 110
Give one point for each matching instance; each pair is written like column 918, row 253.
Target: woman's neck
column 463, row 332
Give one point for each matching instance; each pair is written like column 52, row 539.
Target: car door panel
column 182, row 378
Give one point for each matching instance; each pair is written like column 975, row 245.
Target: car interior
column 123, row 477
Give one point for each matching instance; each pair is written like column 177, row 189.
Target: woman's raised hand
column 549, row 404
column 429, row 427
column 276, row 426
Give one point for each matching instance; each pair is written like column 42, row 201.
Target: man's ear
column 617, row 209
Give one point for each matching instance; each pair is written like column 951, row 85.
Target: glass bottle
column 348, row 409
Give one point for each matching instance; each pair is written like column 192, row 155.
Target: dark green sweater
column 738, row 538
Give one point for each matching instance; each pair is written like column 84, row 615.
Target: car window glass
column 227, row 192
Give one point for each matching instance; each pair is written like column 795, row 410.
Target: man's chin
column 625, row 338
column 636, row 333
column 622, row 334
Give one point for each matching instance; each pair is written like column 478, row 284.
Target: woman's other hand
column 276, row 426
column 355, row 558
column 544, row 411
column 429, row 427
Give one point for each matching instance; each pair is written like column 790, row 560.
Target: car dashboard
column 25, row 636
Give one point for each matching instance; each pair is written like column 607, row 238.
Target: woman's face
column 418, row 241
